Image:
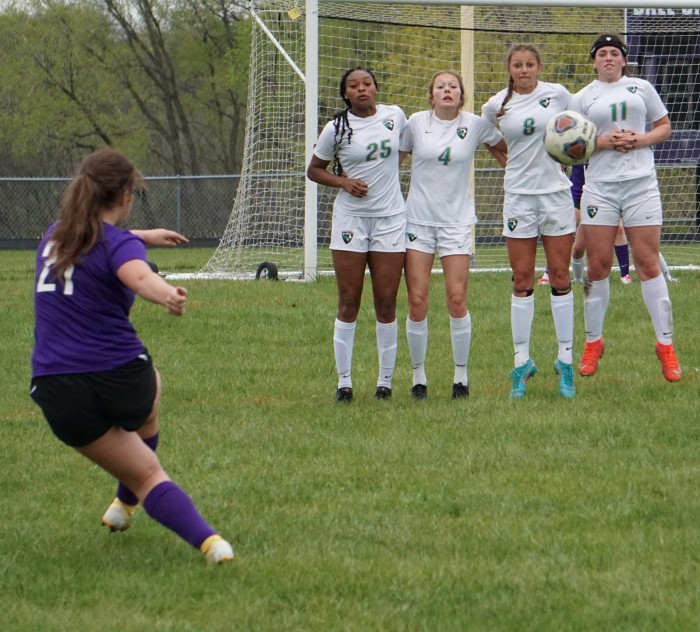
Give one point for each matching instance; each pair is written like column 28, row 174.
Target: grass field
column 542, row 514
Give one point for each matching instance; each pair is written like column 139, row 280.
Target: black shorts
column 81, row 407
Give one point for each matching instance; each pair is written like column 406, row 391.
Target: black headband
column 608, row 40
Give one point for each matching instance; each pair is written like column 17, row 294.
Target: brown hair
column 453, row 73
column 516, row 48
column 615, row 40
column 101, row 179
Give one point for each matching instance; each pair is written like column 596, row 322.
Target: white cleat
column 627, row 279
column 118, row 516
column 216, row 550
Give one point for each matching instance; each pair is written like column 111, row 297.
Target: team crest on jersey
column 512, row 223
column 592, row 211
column 411, row 236
column 545, row 102
column 462, row 132
column 632, row 89
column 347, row 236
column 389, row 124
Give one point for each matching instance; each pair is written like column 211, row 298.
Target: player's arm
column 318, row 172
column 160, row 237
column 499, row 151
column 138, row 277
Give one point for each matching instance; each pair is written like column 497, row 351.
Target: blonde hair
column 516, row 48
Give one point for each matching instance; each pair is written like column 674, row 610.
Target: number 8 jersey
column 529, row 168
column 371, row 155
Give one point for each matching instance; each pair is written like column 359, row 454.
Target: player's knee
column 561, row 291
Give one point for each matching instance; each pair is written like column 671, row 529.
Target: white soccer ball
column 569, row 138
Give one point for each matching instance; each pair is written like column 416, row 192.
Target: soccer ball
column 569, row 138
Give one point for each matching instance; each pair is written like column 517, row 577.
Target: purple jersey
column 83, row 325
column 578, row 179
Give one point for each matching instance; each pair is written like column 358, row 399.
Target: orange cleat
column 669, row 364
column 591, row 354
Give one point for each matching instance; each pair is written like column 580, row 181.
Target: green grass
column 542, row 514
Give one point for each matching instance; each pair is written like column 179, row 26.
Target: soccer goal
column 280, row 222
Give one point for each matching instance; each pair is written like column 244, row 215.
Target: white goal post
column 280, row 221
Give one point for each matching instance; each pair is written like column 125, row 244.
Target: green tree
column 153, row 78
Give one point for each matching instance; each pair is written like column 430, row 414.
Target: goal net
column 404, row 43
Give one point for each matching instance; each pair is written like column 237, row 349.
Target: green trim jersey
column 628, row 103
column 529, row 168
column 442, row 153
column 372, row 155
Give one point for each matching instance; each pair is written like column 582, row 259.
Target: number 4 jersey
column 82, row 325
column 371, row 154
column 442, row 153
column 529, row 168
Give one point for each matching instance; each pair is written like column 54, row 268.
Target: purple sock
column 123, row 492
column 174, row 509
column 623, row 258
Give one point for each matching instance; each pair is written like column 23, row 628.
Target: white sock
column 343, row 342
column 563, row 314
column 577, row 266
column 522, row 311
column 595, row 304
column 663, row 265
column 387, row 345
column 461, row 335
column 417, row 335
column 655, row 295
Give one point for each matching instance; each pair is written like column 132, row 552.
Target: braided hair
column 516, row 48
column 341, row 124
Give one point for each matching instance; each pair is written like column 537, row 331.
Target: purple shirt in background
column 578, row 179
column 83, row 326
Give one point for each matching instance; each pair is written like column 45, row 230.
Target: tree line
column 164, row 81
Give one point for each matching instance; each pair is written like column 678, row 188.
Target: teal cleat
column 520, row 375
column 566, row 379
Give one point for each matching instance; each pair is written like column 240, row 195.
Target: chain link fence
column 196, row 206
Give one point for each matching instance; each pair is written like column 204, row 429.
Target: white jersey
column 442, row 155
column 529, row 168
column 371, row 155
column 628, row 103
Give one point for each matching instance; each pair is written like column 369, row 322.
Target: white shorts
column 355, row 233
column 445, row 240
column 527, row 215
column 637, row 202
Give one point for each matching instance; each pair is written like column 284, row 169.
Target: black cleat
column 419, row 391
column 343, row 395
column 460, row 391
column 382, row 392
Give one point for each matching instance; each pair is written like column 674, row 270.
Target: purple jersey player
column 91, row 375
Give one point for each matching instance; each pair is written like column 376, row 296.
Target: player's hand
column 176, row 301
column 164, row 237
column 628, row 140
column 357, row 188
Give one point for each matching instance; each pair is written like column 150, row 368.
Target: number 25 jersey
column 372, row 155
